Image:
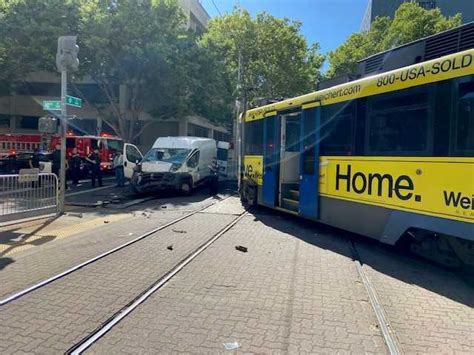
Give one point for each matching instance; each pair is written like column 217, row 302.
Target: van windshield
column 169, row 155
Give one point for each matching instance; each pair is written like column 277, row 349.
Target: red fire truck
column 26, row 143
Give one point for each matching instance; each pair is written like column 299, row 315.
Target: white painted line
column 125, row 312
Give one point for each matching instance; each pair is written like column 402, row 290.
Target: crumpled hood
column 156, row 167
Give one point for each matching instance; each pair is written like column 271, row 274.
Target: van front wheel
column 185, row 187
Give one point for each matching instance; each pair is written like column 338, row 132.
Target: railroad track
column 21, row 293
column 388, row 333
column 100, row 331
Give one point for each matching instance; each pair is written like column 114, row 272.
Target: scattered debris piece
column 130, row 233
column 241, row 248
column 164, row 206
column 106, row 221
column 74, row 214
column 170, row 247
column 179, row 231
column 231, row 346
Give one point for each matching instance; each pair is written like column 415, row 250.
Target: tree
column 267, row 56
column 135, row 51
column 138, row 53
column 29, row 32
column 411, row 22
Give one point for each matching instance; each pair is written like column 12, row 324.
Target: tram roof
column 403, row 78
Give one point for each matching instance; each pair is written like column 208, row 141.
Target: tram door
column 309, row 163
column 271, row 160
column 288, row 192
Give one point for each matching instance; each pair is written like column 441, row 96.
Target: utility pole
column 66, row 58
column 238, row 129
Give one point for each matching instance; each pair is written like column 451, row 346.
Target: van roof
column 183, row 142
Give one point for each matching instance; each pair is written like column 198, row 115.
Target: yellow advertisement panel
column 442, row 187
column 253, row 168
column 444, row 68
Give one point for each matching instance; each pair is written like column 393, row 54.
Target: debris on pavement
column 241, row 248
column 106, row 221
column 130, row 233
column 164, row 206
column 179, row 231
column 231, row 346
column 170, row 247
column 74, row 214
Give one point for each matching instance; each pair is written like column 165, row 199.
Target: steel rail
column 389, row 335
column 92, row 338
column 58, row 276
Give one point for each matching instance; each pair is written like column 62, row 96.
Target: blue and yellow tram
column 386, row 156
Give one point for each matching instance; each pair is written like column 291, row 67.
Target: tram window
column 254, row 138
column 337, row 129
column 465, row 119
column 399, row 125
column 309, row 143
column 292, row 141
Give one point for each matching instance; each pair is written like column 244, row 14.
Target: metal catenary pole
column 63, row 130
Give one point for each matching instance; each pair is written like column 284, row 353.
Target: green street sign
column 73, row 101
column 52, row 105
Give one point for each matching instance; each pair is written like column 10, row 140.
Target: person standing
column 118, row 166
column 56, row 160
column 56, row 164
column 75, row 166
column 214, row 178
column 94, row 159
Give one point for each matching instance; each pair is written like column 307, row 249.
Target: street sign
column 73, row 101
column 52, row 105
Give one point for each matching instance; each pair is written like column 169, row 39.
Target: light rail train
column 389, row 155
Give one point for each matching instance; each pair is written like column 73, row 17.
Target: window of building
column 28, row 122
column 337, row 129
column 427, row 4
column 4, row 121
column 399, row 123
column 465, row 118
column 254, row 138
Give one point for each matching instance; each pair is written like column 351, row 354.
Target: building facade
column 389, row 7
column 20, row 109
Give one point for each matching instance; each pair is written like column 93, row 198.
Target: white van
column 180, row 163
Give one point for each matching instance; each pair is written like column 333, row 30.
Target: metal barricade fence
column 23, row 196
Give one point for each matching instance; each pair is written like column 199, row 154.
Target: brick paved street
column 285, row 295
column 430, row 308
column 62, row 313
column 19, row 270
column 296, row 290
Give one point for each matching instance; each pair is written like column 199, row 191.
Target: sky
column 328, row 22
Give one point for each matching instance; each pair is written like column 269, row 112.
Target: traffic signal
column 66, row 56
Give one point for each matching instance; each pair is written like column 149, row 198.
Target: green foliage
column 139, row 48
column 274, row 57
column 411, row 22
column 29, row 32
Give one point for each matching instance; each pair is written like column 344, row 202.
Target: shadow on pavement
column 4, row 262
column 382, row 258
column 15, row 239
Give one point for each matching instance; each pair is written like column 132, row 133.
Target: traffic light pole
column 63, row 130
